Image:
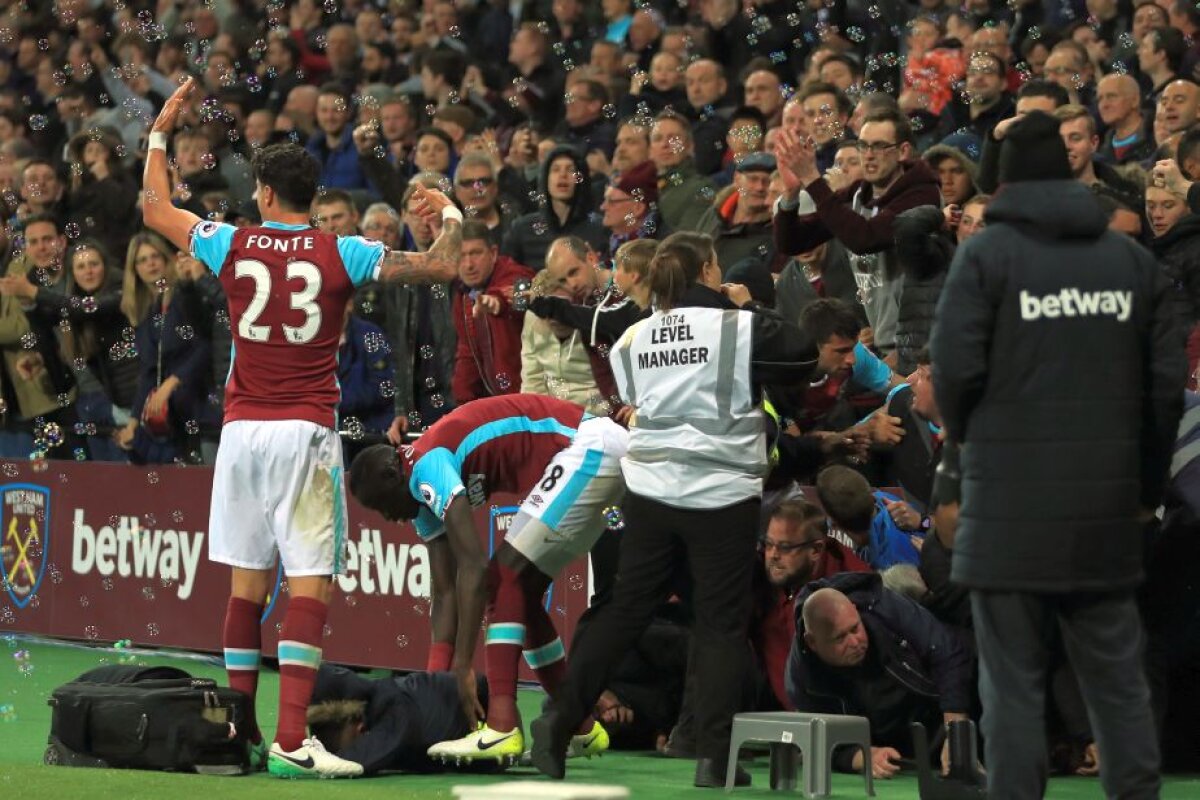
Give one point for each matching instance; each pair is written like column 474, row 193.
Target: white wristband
column 452, row 213
column 158, row 141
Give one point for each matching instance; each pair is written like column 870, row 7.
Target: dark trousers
column 717, row 545
column 1102, row 636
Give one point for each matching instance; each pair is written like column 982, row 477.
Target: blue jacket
column 339, row 167
column 366, row 376
column 889, row 544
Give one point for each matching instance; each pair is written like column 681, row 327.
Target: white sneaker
column 484, row 744
column 312, row 760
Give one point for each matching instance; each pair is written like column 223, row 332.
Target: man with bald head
column 1119, row 100
column 1177, row 106
column 706, row 88
column 864, row 650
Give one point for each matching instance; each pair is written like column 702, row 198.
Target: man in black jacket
column 1060, row 370
column 864, row 650
column 387, row 723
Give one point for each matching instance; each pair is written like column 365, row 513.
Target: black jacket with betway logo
column 1059, row 365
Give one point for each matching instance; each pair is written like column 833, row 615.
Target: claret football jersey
column 494, row 444
column 287, row 287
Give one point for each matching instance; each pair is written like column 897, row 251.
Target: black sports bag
column 156, row 718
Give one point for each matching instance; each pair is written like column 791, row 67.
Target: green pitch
column 24, row 726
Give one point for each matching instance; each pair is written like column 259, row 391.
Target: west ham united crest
column 24, row 538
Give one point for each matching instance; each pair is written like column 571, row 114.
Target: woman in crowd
column 173, row 376
column 695, row 467
column 97, row 342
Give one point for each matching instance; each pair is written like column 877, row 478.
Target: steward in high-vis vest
column 694, row 469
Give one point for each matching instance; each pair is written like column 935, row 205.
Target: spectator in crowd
column 366, row 378
column 585, row 123
column 554, row 357
column 1069, row 66
column 42, row 191
column 956, row 173
column 630, row 207
column 795, row 551
column 987, row 99
column 739, row 220
column 37, row 385
column 1178, row 105
column 174, row 363
column 488, row 360
column 565, row 210
column 1159, row 56
column 102, row 196
column 96, row 345
column 706, row 87
column 826, row 113
column 1078, row 130
column 659, row 88
column 923, row 251
column 821, row 272
column 1036, row 562
column 684, row 194
column 1176, row 244
column 861, row 215
column 632, row 145
column 334, row 212
column 477, row 190
column 883, row 529
column 864, row 650
column 972, row 220
column 420, row 328
column 746, row 134
column 1129, row 138
column 333, row 146
column 1036, row 95
column 762, row 90
column 602, row 303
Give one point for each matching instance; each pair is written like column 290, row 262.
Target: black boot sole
column 547, row 758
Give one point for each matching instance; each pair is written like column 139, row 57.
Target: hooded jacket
column 865, row 224
column 1061, row 370
column 1178, row 250
column 531, row 234
column 487, row 361
column 915, row 663
column 923, row 253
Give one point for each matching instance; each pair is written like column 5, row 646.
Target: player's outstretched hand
column 468, row 696
column 429, row 205
column 165, row 123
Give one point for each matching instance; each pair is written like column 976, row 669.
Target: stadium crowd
column 837, row 154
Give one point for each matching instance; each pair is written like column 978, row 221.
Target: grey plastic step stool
column 813, row 735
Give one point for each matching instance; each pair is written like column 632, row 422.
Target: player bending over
column 567, row 464
column 277, row 483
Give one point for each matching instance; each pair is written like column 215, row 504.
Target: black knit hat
column 1033, row 150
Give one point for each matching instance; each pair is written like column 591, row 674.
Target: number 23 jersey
column 287, row 287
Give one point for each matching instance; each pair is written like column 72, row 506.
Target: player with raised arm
column 566, row 464
column 277, row 484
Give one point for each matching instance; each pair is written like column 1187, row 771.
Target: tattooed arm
column 438, row 264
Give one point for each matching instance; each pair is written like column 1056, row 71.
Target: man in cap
column 630, row 206
column 740, row 220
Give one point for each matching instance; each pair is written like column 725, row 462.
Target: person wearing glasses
column 860, row 216
column 477, row 190
column 985, row 102
column 795, row 551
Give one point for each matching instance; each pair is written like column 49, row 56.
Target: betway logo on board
column 374, row 565
column 130, row 550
